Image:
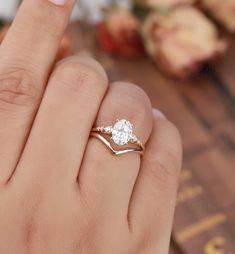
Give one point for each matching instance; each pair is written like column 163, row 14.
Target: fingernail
column 58, row 2
column 158, row 114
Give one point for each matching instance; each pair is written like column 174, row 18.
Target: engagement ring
column 121, row 134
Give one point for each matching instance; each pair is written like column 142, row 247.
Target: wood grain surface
column 204, row 111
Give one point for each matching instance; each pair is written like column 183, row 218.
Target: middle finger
column 62, row 126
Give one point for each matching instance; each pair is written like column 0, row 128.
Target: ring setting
column 121, row 134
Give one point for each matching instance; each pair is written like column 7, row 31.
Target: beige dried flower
column 223, row 11
column 181, row 40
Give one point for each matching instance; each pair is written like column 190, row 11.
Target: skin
column 61, row 191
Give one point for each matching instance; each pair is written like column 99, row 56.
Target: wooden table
column 204, row 111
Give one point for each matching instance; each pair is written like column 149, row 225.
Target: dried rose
column 223, row 11
column 181, row 41
column 163, row 4
column 120, row 33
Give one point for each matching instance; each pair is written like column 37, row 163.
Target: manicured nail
column 58, row 2
column 158, row 114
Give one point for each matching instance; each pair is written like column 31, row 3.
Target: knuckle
column 17, row 87
column 82, row 74
column 135, row 100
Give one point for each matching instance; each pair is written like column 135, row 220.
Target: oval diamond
column 122, row 132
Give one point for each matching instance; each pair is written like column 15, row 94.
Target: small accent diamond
column 133, row 137
column 122, row 132
column 108, row 129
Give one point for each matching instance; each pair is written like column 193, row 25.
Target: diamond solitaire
column 121, row 134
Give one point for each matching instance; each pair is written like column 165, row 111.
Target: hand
column 61, row 191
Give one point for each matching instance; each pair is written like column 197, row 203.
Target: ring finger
column 104, row 177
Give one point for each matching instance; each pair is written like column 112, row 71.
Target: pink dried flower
column 119, row 33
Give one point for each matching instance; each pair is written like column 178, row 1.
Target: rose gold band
column 95, row 134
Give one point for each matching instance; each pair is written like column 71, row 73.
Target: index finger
column 26, row 56
column 35, row 35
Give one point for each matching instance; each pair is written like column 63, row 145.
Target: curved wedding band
column 121, row 134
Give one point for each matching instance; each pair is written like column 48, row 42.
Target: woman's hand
column 62, row 192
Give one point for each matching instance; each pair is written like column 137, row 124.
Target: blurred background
column 182, row 53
